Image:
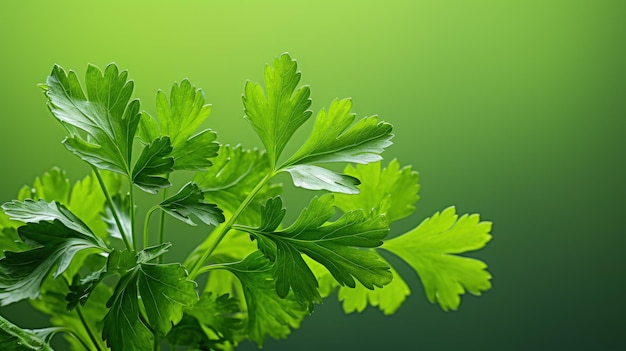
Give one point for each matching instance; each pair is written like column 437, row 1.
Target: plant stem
column 132, row 216
column 113, row 209
column 162, row 225
column 146, row 224
column 89, row 332
column 196, row 268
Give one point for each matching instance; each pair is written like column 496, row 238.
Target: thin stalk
column 146, row 224
column 226, row 228
column 162, row 225
column 80, row 340
column 157, row 342
column 89, row 332
column 132, row 216
column 113, row 209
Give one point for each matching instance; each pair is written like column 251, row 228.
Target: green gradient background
column 513, row 109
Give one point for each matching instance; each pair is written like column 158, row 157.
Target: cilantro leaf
column 179, row 118
column 24, row 339
column 430, row 250
column 153, row 162
column 279, row 111
column 336, row 139
column 164, row 291
column 190, row 201
column 106, row 114
column 392, row 191
column 268, row 314
column 336, row 245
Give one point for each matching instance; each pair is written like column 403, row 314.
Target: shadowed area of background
column 514, row 110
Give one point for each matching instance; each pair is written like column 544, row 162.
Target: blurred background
column 511, row 109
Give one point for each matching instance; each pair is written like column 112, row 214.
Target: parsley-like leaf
column 24, row 339
column 106, row 114
column 318, row 178
column 190, row 201
column 179, row 118
column 268, row 314
column 279, row 111
column 164, row 290
column 430, row 249
column 154, row 162
column 336, row 245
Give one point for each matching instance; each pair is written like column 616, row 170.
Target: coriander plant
column 77, row 252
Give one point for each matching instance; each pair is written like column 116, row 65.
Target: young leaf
column 164, row 291
column 430, row 250
column 18, row 339
column 153, row 162
column 106, row 114
column 392, row 191
column 336, row 245
column 179, row 118
column 279, row 111
column 336, row 139
column 268, row 314
column 190, row 201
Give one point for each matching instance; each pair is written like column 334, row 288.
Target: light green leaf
column 391, row 191
column 430, row 249
column 190, row 201
column 336, row 245
column 336, row 139
column 318, row 178
column 164, row 291
column 106, row 115
column 268, row 314
column 279, row 111
column 220, row 317
column 388, row 299
column 152, row 164
column 18, row 339
column 52, row 186
column 179, row 118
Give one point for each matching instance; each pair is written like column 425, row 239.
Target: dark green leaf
column 336, row 245
column 153, row 163
column 190, row 201
column 279, row 111
column 17, row 339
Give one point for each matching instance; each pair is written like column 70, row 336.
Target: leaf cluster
column 74, row 252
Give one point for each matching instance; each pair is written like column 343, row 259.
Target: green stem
column 89, row 332
column 196, row 267
column 113, row 209
column 132, row 216
column 146, row 224
column 80, row 340
column 157, row 342
column 162, row 226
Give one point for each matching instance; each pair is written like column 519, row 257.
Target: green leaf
column 388, row 299
column 336, row 139
column 391, row 191
column 190, row 201
column 154, row 162
column 179, row 118
column 268, row 314
column 318, row 178
column 52, row 186
column 336, row 245
column 219, row 316
column 163, row 290
column 105, row 114
column 279, row 111
column 121, row 203
column 24, row 339
column 430, row 249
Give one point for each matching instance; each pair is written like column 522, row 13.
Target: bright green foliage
column 106, row 114
column 279, row 111
column 430, row 250
column 190, row 201
column 73, row 250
